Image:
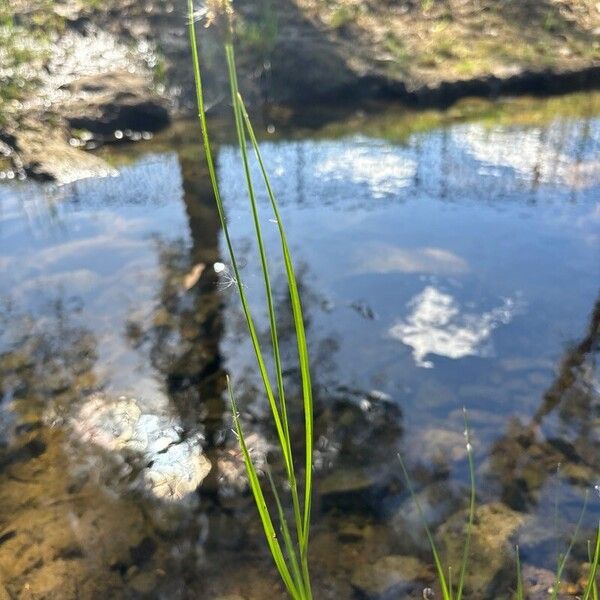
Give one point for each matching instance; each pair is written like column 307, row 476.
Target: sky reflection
column 436, row 325
column 95, row 243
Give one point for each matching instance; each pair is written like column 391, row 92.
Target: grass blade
column 297, row 582
column 591, row 589
column 446, row 590
column 465, row 557
column 563, row 561
column 520, row 591
column 303, row 357
column 285, row 439
column 261, row 504
column 287, row 538
column 221, row 211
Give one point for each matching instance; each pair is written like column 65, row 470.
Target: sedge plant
column 289, row 543
column 289, row 547
column 448, row 590
column 451, row 592
column 590, row 591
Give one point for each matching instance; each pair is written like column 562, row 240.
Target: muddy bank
column 427, row 53
column 94, row 74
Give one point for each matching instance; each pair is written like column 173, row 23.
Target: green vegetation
column 21, row 51
column 437, row 40
column 591, row 589
column 259, row 37
column 398, row 124
column 449, row 592
column 291, row 558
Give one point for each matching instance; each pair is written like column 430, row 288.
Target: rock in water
column 491, row 568
column 350, row 489
column 390, row 576
column 437, row 503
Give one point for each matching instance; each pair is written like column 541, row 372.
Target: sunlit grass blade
column 520, row 590
column 300, row 333
column 562, row 561
column 591, row 589
column 286, row 439
column 466, row 549
column 287, row 538
column 446, row 584
column 297, row 581
column 445, row 588
column 261, row 504
column 221, row 211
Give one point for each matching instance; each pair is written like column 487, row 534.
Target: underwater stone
column 491, row 570
column 440, row 448
column 538, row 582
column 390, row 576
column 350, row 489
column 144, row 583
column 350, row 533
column 438, row 501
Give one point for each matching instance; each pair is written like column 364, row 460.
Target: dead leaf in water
column 191, row 279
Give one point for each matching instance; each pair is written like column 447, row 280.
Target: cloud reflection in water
column 436, row 326
column 386, row 258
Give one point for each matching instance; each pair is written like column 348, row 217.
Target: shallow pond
column 445, row 261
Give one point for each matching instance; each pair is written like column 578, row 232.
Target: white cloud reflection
column 385, row 258
column 383, row 168
column 541, row 158
column 436, row 326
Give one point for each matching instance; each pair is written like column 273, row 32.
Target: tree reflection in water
column 561, row 436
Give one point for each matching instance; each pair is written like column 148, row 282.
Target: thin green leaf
column 221, row 211
column 591, row 589
column 261, row 504
column 446, row 593
column 289, row 545
column 281, row 433
column 303, row 357
column 285, row 439
column 465, row 557
column 520, row 591
column 563, row 561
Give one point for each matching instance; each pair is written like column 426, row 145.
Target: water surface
column 441, row 267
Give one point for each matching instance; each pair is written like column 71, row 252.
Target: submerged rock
column 351, row 533
column 144, row 583
column 538, row 584
column 350, row 489
column 438, row 501
column 174, row 463
column 491, row 571
column 390, row 576
column 76, row 546
column 439, row 448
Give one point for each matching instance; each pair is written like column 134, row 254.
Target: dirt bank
column 79, row 72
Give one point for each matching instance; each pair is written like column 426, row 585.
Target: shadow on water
column 447, row 265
